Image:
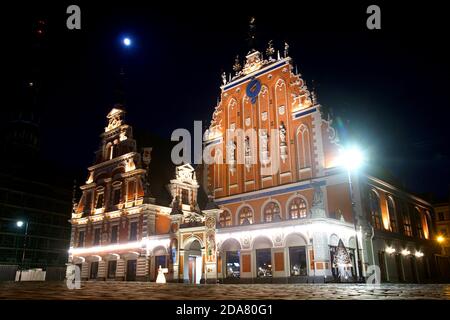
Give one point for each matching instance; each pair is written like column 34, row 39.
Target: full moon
column 126, row 41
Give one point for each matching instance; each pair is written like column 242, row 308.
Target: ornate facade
column 279, row 207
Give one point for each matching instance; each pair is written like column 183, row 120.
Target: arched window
column 297, row 208
column 375, row 211
column 303, row 147
column 392, row 214
column 418, row 218
column 225, row 219
column 272, row 212
column 407, row 229
column 245, row 216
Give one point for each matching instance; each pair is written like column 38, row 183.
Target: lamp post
column 20, row 224
column 352, row 159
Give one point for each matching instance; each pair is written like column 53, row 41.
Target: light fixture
column 440, row 239
column 19, row 224
column 406, row 252
column 418, row 254
column 352, row 158
column 390, row 250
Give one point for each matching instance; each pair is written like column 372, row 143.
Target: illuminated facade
column 279, row 206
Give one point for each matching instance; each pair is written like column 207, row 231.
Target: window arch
column 225, row 219
column 392, row 214
column 297, row 208
column 245, row 216
column 303, row 147
column 272, row 212
column 375, row 210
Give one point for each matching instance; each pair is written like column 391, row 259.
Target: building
column 279, row 207
column 29, row 191
column 442, row 222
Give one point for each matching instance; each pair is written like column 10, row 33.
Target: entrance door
column 192, row 269
column 131, row 270
column 412, row 261
column 160, row 261
column 382, row 262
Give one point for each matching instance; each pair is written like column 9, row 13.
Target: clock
column 253, row 89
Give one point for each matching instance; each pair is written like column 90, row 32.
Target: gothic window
column 418, row 218
column 375, row 210
column 225, row 219
column 303, row 147
column 407, row 229
column 245, row 216
column 272, row 212
column 133, row 231
column 185, row 196
column 297, row 208
column 392, row 214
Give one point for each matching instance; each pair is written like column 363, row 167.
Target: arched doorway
column 193, row 262
column 263, row 257
column 296, row 245
column 160, row 257
column 231, row 253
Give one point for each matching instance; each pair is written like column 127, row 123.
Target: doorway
column 131, row 270
column 193, row 265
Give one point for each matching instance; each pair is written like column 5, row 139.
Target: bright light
column 390, row 250
column 127, row 41
column 440, row 239
column 351, row 158
column 19, row 224
column 406, row 252
column 418, row 254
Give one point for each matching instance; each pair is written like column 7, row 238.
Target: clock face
column 253, row 89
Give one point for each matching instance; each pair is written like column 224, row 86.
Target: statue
column 224, row 78
column 161, row 278
column 286, row 49
column 318, row 205
column 282, row 134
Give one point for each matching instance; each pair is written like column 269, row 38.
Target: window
column 418, row 218
column 97, row 236
column 99, row 203
column 264, row 263
column 303, row 147
column 133, row 231
column 81, row 239
column 116, row 196
column 407, row 229
column 114, row 234
column 297, row 257
column 185, row 196
column 392, row 214
column 245, row 216
column 225, row 219
column 87, row 203
column 131, row 190
column 233, row 265
column 112, row 267
column 94, row 270
column 297, row 209
column 441, row 216
column 375, row 212
column 272, row 212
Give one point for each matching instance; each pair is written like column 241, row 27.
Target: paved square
column 152, row 291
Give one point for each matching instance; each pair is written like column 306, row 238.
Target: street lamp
column 441, row 239
column 20, row 224
column 352, row 159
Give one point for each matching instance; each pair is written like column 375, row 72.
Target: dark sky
column 388, row 87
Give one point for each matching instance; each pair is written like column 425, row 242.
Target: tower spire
column 252, row 35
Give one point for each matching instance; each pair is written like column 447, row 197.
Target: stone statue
column 282, row 134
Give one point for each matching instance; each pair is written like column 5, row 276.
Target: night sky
column 388, row 87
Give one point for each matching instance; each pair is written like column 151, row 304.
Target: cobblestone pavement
column 152, row 291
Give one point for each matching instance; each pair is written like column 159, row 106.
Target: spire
column 252, row 35
column 119, row 92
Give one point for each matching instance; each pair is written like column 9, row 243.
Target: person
column 160, row 278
